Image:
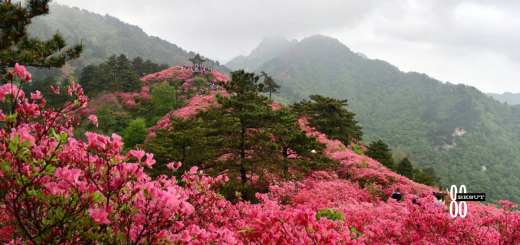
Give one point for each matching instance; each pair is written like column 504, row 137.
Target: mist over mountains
column 456, row 129
column 269, row 48
column 507, row 97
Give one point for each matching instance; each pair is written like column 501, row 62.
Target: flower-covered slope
column 360, row 189
column 59, row 190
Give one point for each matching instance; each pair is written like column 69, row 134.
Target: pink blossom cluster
column 133, row 100
column 195, row 105
column 58, row 190
column 220, row 77
column 21, row 72
column 172, row 74
column 93, row 105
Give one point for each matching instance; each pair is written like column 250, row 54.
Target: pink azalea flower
column 100, row 216
column 149, row 160
column 57, row 90
column 137, row 154
column 37, row 95
column 22, row 73
column 94, row 120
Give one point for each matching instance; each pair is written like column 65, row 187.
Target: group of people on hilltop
column 439, row 196
column 197, row 68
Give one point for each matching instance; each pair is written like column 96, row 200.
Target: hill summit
column 269, row 48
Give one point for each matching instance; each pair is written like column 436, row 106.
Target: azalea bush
column 55, row 189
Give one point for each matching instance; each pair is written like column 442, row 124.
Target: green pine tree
column 127, row 78
column 379, row 151
column 270, row 85
column 330, row 117
column 135, row 133
column 294, row 145
column 405, row 168
column 17, row 47
column 426, row 176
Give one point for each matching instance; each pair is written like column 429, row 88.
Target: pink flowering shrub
column 195, row 105
column 58, row 190
column 173, row 74
column 133, row 100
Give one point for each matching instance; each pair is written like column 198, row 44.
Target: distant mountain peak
column 270, row 47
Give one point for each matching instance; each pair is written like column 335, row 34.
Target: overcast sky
column 470, row 42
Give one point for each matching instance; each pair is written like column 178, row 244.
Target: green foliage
column 270, row 85
column 109, row 122
column 16, row 46
column 189, row 141
column 242, row 137
column 426, row 176
column 330, row 214
column 135, row 133
column 357, row 149
column 372, row 190
column 116, row 74
column 405, row 168
column 164, row 99
column 379, row 151
column 330, row 117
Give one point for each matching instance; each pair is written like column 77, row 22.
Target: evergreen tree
column 116, row 74
column 426, row 176
column 379, row 151
column 405, row 168
column 17, row 47
column 188, row 141
column 138, row 64
column 330, row 117
column 270, row 85
column 127, row 77
column 293, row 144
column 242, row 137
column 135, row 133
column 164, row 99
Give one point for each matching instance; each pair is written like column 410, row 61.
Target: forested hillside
column 103, row 36
column 468, row 137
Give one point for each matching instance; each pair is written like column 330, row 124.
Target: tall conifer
column 17, row 47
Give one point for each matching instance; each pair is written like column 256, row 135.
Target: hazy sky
column 470, row 42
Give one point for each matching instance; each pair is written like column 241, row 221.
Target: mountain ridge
column 410, row 111
column 269, row 48
column 104, row 35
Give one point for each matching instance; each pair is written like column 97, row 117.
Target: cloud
column 471, row 42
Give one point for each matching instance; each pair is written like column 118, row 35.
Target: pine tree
column 293, row 144
column 127, row 77
column 330, row 117
column 380, row 152
column 269, row 84
column 426, row 176
column 405, row 168
column 17, row 47
column 138, row 64
column 242, row 137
